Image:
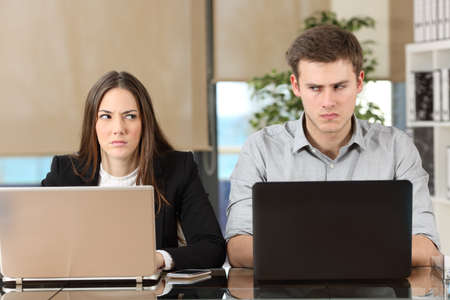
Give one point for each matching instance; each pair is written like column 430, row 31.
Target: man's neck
column 328, row 143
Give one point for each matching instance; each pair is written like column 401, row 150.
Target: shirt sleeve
column 409, row 167
column 168, row 261
column 248, row 170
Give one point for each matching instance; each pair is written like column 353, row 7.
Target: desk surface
column 237, row 283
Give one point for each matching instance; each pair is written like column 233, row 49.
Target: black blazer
column 178, row 180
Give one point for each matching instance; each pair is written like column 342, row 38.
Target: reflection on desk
column 423, row 283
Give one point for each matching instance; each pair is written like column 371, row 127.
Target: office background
column 194, row 56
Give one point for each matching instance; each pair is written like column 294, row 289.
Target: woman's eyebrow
column 129, row 111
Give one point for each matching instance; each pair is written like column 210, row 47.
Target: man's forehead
column 341, row 61
column 324, row 73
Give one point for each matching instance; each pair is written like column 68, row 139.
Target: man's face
column 328, row 92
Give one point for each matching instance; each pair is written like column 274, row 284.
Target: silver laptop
column 77, row 233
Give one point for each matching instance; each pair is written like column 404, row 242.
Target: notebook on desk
column 332, row 230
column 56, row 234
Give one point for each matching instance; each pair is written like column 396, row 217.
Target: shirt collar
column 300, row 140
column 357, row 137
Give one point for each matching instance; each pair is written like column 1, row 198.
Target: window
column 233, row 113
column 379, row 92
column 23, row 170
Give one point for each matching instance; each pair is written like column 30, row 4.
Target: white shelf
column 428, row 46
column 428, row 57
column 443, row 201
column 427, row 124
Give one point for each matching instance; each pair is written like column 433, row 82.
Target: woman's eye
column 104, row 116
column 130, row 116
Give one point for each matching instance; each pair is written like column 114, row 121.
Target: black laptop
column 334, row 230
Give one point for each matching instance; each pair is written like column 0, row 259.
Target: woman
column 123, row 145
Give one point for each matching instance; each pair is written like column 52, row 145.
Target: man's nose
column 328, row 99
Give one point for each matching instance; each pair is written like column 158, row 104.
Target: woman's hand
column 159, row 261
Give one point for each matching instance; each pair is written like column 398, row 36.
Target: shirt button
column 331, row 166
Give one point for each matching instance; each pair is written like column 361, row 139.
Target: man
column 327, row 143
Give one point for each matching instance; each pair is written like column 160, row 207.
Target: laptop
column 81, row 295
column 77, row 234
column 332, row 230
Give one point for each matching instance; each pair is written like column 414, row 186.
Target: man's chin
column 330, row 128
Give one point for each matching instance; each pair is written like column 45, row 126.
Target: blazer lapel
column 159, row 216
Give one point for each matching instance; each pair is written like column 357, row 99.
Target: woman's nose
column 118, row 127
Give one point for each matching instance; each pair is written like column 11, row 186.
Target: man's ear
column 295, row 85
column 360, row 81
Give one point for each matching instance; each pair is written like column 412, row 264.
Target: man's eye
column 104, row 116
column 339, row 86
column 315, row 88
column 130, row 116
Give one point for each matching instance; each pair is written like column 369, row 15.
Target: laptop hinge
column 139, row 279
column 19, row 281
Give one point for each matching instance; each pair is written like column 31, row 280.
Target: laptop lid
column 332, row 230
column 77, row 232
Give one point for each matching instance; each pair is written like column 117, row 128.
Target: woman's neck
column 117, row 167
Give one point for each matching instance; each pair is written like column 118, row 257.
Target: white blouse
column 106, row 179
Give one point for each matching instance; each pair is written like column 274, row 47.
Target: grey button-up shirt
column 283, row 153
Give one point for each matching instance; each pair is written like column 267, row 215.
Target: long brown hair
column 153, row 143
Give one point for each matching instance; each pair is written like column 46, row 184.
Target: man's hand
column 240, row 251
column 422, row 251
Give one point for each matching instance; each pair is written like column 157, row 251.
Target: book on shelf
column 447, row 19
column 427, row 21
column 448, row 172
column 423, row 93
column 429, row 95
column 431, row 20
column 419, row 21
column 445, row 95
column 437, row 95
column 411, row 102
column 423, row 138
column 441, row 20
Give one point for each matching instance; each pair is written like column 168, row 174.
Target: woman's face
column 118, row 125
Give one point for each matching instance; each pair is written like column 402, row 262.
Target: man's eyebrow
column 332, row 84
column 341, row 82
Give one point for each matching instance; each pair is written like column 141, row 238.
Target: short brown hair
column 326, row 43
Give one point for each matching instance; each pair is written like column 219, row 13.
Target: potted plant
column 274, row 90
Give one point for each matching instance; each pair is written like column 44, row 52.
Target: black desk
column 422, row 284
